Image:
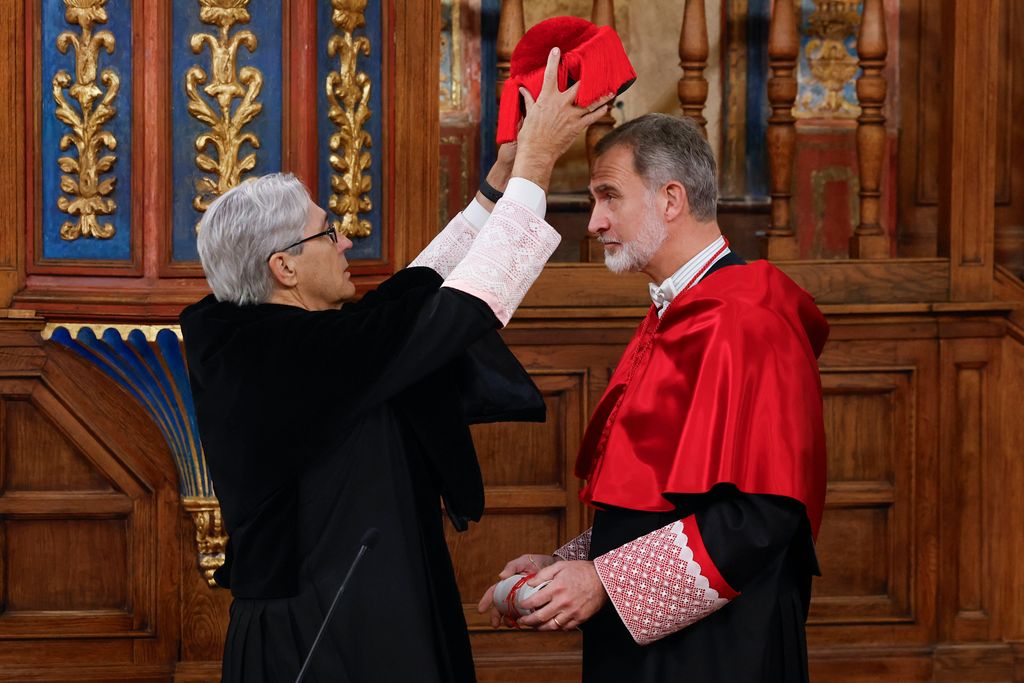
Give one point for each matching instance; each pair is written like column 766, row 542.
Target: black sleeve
column 743, row 533
column 402, row 282
column 374, row 351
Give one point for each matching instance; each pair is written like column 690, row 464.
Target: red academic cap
column 591, row 54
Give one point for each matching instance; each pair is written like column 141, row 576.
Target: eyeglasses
column 331, row 232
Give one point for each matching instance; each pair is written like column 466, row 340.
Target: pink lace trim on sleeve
column 663, row 582
column 505, row 259
column 576, row 549
column 449, row 247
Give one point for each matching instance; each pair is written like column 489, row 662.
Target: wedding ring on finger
column 557, row 623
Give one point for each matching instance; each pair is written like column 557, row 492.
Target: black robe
column 763, row 548
column 319, row 425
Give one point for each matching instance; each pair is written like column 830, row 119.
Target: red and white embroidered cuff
column 449, row 247
column 506, row 258
column 576, row 549
column 663, row 582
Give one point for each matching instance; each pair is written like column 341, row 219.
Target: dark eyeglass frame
column 331, row 232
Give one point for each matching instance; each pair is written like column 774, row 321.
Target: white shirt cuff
column 476, row 214
column 528, row 194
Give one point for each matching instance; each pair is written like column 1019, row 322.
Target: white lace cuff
column 576, row 549
column 505, row 259
column 663, row 582
column 449, row 247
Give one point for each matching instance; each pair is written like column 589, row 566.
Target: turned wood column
column 511, row 27
column 693, row 58
column 869, row 238
column 602, row 14
column 783, row 50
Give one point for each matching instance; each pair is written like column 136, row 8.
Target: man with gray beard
column 705, row 459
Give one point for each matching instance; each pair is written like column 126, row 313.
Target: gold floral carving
column 88, row 195
column 229, row 83
column 451, row 44
column 830, row 62
column 211, row 540
column 348, row 95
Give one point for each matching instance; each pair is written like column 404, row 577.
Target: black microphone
column 369, row 540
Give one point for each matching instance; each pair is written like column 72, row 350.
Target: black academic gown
column 763, row 548
column 319, row 425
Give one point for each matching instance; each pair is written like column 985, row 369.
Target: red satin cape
column 724, row 388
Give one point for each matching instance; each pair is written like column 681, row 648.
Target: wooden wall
column 922, row 376
column 923, row 92
column 89, row 522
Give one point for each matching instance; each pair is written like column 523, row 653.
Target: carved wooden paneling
column 969, row 433
column 870, row 502
column 924, row 46
column 921, row 109
column 12, row 127
column 877, row 545
column 967, row 175
column 1010, row 140
column 204, row 610
column 52, row 521
column 27, row 433
column 531, row 499
column 572, row 287
column 531, row 506
column 39, row 577
column 88, row 523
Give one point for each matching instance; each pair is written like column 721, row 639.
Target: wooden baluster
column 783, row 50
column 693, row 58
column 602, row 14
column 869, row 239
column 511, row 27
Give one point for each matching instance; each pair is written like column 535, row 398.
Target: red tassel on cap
column 591, row 54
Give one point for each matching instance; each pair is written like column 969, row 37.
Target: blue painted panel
column 758, row 110
column 811, row 91
column 53, row 23
column 265, row 23
column 155, row 375
column 447, row 54
column 364, row 247
column 490, row 11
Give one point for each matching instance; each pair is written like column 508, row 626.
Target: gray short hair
column 244, row 226
column 670, row 148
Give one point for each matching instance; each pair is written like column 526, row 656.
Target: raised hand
column 551, row 125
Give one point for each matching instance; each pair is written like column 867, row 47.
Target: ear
column 282, row 269
column 676, row 203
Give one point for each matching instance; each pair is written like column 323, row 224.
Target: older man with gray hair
column 321, row 419
column 705, row 458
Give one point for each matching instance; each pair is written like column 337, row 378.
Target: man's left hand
column 573, row 596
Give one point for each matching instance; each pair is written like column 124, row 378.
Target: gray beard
column 634, row 255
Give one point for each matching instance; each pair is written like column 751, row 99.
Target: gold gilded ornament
column 88, row 194
column 228, row 84
column 211, row 539
column 829, row 60
column 451, row 45
column 348, row 95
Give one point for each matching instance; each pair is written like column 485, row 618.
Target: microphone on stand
column 369, row 540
